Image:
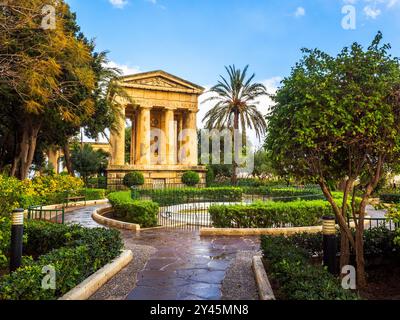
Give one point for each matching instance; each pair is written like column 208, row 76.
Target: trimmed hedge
column 190, row 178
column 144, row 213
column 75, row 253
column 285, row 194
column 377, row 242
column 167, row 197
column 93, row 194
column 134, row 178
column 297, row 278
column 270, row 214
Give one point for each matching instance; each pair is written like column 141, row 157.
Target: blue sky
column 194, row 39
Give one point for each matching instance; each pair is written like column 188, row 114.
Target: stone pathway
column 83, row 216
column 178, row 264
column 185, row 265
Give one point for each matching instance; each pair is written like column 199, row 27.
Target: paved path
column 178, row 264
column 187, row 266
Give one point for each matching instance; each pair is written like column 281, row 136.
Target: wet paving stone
column 185, row 265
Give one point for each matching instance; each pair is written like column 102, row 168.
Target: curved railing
column 42, row 213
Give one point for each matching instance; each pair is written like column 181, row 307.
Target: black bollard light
column 17, row 232
column 329, row 243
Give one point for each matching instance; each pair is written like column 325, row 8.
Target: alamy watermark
column 349, row 277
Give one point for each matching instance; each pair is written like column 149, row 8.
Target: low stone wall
column 237, row 232
column 98, row 216
column 265, row 291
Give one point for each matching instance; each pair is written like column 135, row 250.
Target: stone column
column 179, row 130
column 193, row 138
column 190, row 138
column 143, row 134
column 117, row 140
column 169, row 131
column 133, row 140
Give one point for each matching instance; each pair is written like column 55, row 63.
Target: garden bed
column 73, row 251
column 294, row 267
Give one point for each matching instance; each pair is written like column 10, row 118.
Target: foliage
column 393, row 214
column 210, row 176
column 144, row 213
column 5, row 236
column 236, row 107
column 87, row 161
column 190, row 178
column 298, row 279
column 390, row 197
column 53, row 83
column 262, row 164
column 134, row 178
column 337, row 119
column 167, row 197
column 93, row 194
column 40, row 190
column 285, row 194
column 270, row 214
column 75, row 253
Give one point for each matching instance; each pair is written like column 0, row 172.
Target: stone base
column 157, row 175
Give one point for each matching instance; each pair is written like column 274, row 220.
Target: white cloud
column 300, row 12
column 372, row 12
column 392, row 3
column 119, row 3
column 126, row 70
column 264, row 105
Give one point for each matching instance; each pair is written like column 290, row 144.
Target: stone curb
column 264, row 287
column 237, row 232
column 257, row 231
column 93, row 283
column 98, row 216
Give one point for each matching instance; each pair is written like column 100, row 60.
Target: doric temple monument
column 163, row 110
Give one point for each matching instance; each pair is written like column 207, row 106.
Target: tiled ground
column 186, row 266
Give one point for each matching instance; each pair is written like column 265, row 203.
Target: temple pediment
column 160, row 81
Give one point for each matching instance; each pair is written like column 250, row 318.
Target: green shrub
column 167, row 197
column 75, row 253
column 190, row 178
column 144, row 213
column 93, row 194
column 132, row 179
column 270, row 214
column 298, row 279
column 5, row 235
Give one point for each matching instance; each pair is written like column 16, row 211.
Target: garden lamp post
column 329, row 243
column 17, row 231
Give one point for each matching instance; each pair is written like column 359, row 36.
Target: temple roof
column 160, row 80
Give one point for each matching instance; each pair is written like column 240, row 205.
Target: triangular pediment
column 159, row 80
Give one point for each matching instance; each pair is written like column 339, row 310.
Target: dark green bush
column 144, row 213
column 297, row 278
column 390, row 197
column 190, row 178
column 210, row 176
column 270, row 214
column 285, row 194
column 132, row 179
column 74, row 252
column 167, row 197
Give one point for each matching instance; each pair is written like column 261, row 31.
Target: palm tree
column 236, row 103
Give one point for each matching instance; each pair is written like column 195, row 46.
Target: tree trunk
column 344, row 250
column 68, row 161
column 360, row 262
column 235, row 151
column 26, row 149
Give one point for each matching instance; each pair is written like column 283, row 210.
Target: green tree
column 236, row 107
column 336, row 118
column 53, row 83
column 88, row 162
column 262, row 164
